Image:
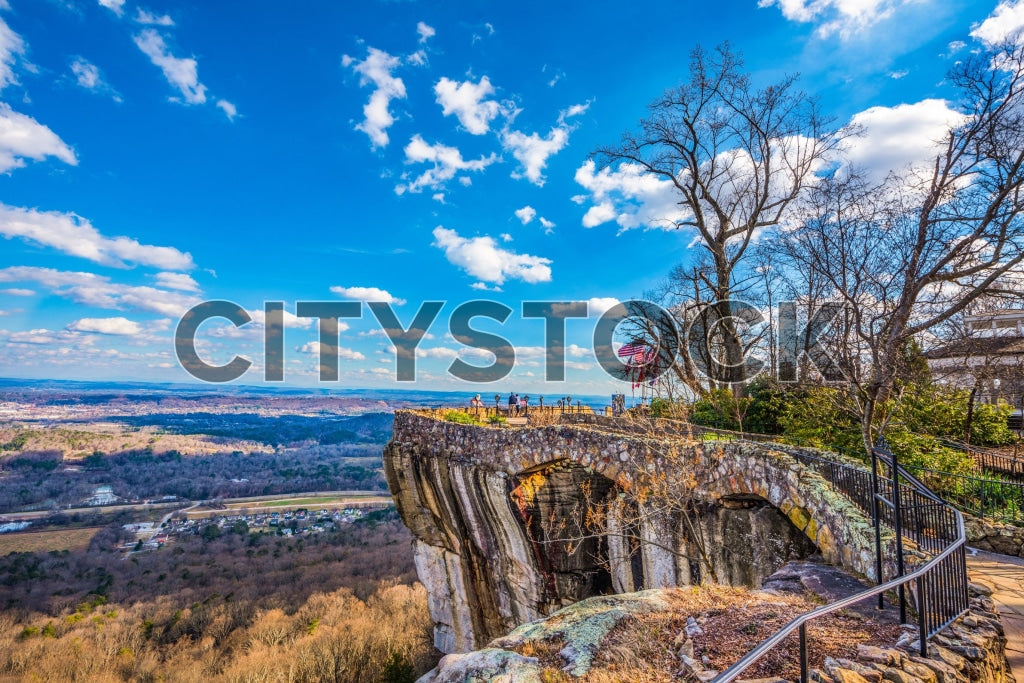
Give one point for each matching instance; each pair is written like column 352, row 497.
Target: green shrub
column 497, row 420
column 459, row 417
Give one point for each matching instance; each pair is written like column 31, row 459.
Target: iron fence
column 896, row 499
column 988, row 459
column 1001, row 501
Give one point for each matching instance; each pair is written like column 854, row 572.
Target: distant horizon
column 233, row 388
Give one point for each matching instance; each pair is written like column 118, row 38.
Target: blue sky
column 157, row 154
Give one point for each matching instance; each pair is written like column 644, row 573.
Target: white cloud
column 16, row 291
column 897, row 75
column 426, row 32
column 441, row 352
column 549, row 226
column 42, row 336
column 574, row 110
column 229, row 109
column 342, row 352
column 88, row 76
column 467, row 101
column 97, row 290
column 181, row 281
column 150, row 19
column 118, row 326
column 505, row 237
column 74, row 235
column 11, row 48
column 376, row 70
column 576, row 351
column 115, row 6
column 259, row 317
column 367, row 294
column 843, row 17
column 533, row 151
column 438, row 197
column 446, row 353
column 447, row 161
column 596, row 306
column 1006, row 21
column 526, row 214
column 22, row 137
column 482, row 258
column 629, row 196
column 895, row 138
column 182, row 73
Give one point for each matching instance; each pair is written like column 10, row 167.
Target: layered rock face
column 514, row 524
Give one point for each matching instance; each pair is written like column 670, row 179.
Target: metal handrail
column 733, row 672
column 919, row 575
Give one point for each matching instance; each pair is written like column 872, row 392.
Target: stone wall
column 483, row 502
column 994, row 537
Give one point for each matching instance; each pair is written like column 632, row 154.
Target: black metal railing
column 993, row 499
column 1010, row 465
column 918, row 518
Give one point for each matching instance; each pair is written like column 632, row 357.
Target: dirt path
column 1006, row 575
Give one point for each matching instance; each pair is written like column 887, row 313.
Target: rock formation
column 514, row 524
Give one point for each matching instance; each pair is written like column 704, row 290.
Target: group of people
column 517, row 405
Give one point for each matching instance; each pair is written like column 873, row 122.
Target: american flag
column 634, row 350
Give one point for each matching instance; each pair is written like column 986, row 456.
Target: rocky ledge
column 585, row 641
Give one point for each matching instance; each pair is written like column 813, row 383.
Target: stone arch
column 843, row 534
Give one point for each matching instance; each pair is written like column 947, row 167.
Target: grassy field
column 45, row 541
column 292, row 502
column 287, row 504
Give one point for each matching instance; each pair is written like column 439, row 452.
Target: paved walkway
column 1006, row 575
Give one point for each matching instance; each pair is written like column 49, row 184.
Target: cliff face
column 512, row 525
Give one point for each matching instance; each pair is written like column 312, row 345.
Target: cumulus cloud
column 376, row 70
column 341, row 352
column 22, row 137
column 467, row 101
column 895, row 138
column 76, row 236
column 549, row 226
column 367, row 294
column 446, row 162
column 12, row 48
column 229, row 109
column 180, row 281
column 597, row 305
column 115, row 6
column 180, row 72
column 843, row 17
column 629, row 196
column 426, row 32
column 97, row 290
column 151, row 19
column 526, row 214
column 115, row 326
column 1005, row 22
column 533, row 151
column 88, row 76
column 482, row 258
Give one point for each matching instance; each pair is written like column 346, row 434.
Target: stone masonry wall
column 486, row 573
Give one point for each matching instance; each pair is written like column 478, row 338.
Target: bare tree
column 909, row 254
column 738, row 157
